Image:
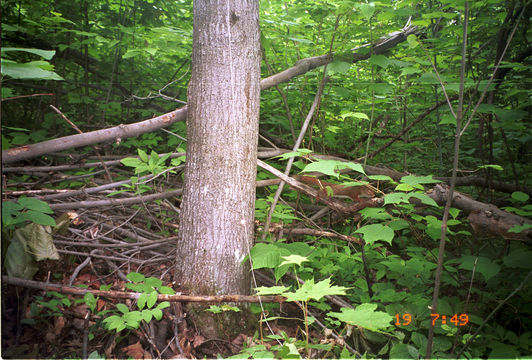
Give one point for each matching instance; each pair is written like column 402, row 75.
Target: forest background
column 379, row 85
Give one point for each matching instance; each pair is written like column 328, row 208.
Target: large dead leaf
column 29, row 244
column 136, row 351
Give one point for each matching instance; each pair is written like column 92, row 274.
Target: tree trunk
column 217, row 212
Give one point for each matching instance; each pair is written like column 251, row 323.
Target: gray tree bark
column 217, row 212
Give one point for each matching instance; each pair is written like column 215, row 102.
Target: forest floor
column 98, row 251
column 47, row 324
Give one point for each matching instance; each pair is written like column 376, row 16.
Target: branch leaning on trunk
column 124, row 131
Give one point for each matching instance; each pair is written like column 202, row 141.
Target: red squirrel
column 353, row 192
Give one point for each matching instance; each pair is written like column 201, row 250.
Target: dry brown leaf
column 100, row 304
column 198, row 340
column 189, row 334
column 135, row 350
column 239, row 340
column 59, row 324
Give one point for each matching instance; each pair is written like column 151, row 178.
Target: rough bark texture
column 217, row 213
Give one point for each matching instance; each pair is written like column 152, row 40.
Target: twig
column 114, row 258
column 115, row 202
column 459, row 117
column 302, row 133
column 24, row 96
column 85, row 350
column 80, row 267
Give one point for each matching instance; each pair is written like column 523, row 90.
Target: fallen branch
column 485, row 218
column 112, row 294
column 320, row 233
column 115, row 202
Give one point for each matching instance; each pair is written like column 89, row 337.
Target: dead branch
column 484, row 218
column 113, row 294
column 115, row 202
column 321, row 233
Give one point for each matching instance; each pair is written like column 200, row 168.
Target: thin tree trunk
column 217, row 214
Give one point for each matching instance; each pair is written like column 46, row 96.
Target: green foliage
column 401, row 284
column 147, row 164
column 36, row 70
column 44, row 307
column 23, row 210
column 148, row 288
column 26, row 245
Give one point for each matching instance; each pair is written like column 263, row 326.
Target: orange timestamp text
column 456, row 319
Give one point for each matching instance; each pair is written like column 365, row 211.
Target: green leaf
column 90, row 300
column 519, row 228
column 356, row 115
column 141, row 302
column 133, row 319
column 375, row 214
column 154, row 282
column 157, row 314
column 327, row 167
column 454, row 212
column 293, row 259
column 266, row 256
column 122, row 308
column 520, row 196
column 367, row 10
column 412, row 41
column 215, row 309
column 46, row 54
column 376, row 232
column 353, row 166
column 489, row 166
column 364, row 315
column 35, row 204
column 31, row 70
column 95, row 355
column 448, row 119
column 142, row 155
column 410, row 70
column 135, row 277
column 152, row 299
column 132, row 162
column 331, row 167
column 288, row 155
column 115, row 322
column 166, row 290
column 418, row 180
column 38, row 218
column 301, row 40
column 131, row 53
column 288, row 351
column 309, row 290
column 147, row 315
column 380, row 60
column 396, row 198
column 340, row 67
column 425, row 199
column 429, row 78
column 163, row 305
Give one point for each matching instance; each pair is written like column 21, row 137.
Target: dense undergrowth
column 354, row 284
